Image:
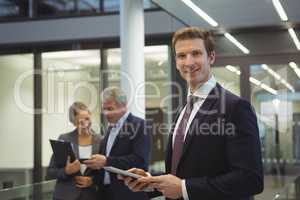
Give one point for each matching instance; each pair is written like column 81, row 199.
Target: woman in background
column 75, row 181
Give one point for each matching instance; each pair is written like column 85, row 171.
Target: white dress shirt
column 202, row 92
column 111, row 139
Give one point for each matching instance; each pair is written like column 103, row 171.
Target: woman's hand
column 72, row 168
column 97, row 161
column 83, row 181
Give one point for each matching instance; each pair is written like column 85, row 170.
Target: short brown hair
column 194, row 33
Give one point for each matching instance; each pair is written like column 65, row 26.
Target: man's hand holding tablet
column 122, row 172
column 136, row 184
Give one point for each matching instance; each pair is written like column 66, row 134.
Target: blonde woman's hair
column 75, row 108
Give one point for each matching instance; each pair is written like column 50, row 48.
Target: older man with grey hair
column 126, row 144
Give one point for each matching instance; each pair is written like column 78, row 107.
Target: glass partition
column 37, row 191
column 158, row 100
column 158, row 94
column 14, row 9
column 67, row 7
column 275, row 96
column 80, row 7
column 16, row 120
column 114, row 5
column 68, row 76
column 229, row 77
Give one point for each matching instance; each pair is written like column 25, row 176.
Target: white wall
column 16, row 126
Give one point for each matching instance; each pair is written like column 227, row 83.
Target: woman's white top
column 84, row 152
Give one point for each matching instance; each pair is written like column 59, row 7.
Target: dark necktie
column 179, row 137
column 106, row 136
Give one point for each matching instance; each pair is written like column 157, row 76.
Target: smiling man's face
column 193, row 62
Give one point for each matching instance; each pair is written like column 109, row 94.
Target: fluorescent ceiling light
column 278, row 77
column 295, row 68
column 200, row 12
column 262, row 85
column 160, row 63
column 254, row 81
column 233, row 69
column 86, row 61
column 295, row 38
column 70, row 54
column 280, row 10
column 237, row 43
column 268, row 88
column 272, row 72
column 64, row 68
column 290, row 87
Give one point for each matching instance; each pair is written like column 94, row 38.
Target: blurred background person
column 75, row 180
column 126, row 144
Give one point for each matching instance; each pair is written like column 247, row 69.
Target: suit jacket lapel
column 74, row 142
column 123, row 129
column 201, row 115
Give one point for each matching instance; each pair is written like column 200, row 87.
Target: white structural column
column 132, row 54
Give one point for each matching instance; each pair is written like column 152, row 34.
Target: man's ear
column 177, row 67
column 212, row 57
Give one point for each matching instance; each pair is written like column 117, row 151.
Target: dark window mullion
column 245, row 89
column 37, row 80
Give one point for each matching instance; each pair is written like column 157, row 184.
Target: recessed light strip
column 233, row 69
column 295, row 68
column 280, row 10
column 278, row 77
column 237, row 43
column 268, row 88
column 272, row 72
column 294, row 37
column 200, row 12
column 254, row 81
column 262, row 85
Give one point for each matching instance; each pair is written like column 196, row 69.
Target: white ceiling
column 233, row 14
column 254, row 23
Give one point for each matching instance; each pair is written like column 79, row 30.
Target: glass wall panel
column 114, row 5
column 68, row 76
column 16, row 120
column 228, row 77
column 75, row 7
column 14, row 9
column 158, row 94
column 158, row 100
column 67, row 7
column 275, row 96
column 113, row 68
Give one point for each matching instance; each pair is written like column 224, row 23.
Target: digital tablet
column 126, row 173
column 121, row 172
column 61, row 151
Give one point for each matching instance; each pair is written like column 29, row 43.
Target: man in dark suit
column 126, row 144
column 214, row 149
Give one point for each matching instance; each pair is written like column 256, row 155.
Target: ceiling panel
column 233, row 13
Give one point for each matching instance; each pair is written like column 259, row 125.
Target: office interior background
column 53, row 52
